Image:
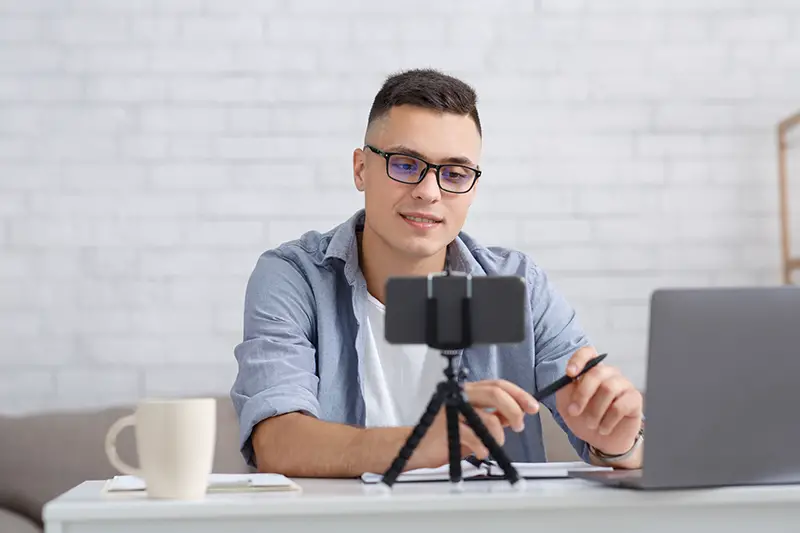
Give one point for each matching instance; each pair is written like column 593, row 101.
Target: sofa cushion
column 11, row 522
column 45, row 454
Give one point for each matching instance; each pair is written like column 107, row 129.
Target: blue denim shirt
column 303, row 347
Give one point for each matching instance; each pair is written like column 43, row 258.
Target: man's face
column 437, row 138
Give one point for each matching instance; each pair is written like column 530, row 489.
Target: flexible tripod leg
column 474, row 421
column 453, row 443
column 390, row 476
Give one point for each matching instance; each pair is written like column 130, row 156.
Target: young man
column 320, row 393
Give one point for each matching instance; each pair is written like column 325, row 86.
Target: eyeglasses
column 405, row 168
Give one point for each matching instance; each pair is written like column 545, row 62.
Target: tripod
column 450, row 392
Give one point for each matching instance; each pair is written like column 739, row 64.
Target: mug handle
column 111, row 446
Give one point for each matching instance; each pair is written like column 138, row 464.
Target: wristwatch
column 608, row 458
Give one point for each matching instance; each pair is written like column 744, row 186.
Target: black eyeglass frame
column 428, row 166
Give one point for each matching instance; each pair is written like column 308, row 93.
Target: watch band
column 608, row 458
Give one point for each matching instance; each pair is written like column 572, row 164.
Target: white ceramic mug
column 175, row 440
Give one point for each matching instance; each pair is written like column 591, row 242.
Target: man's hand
column 602, row 407
column 499, row 403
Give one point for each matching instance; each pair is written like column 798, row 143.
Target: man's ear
column 359, row 164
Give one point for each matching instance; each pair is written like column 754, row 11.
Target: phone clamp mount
column 450, row 392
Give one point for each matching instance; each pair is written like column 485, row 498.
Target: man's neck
column 379, row 262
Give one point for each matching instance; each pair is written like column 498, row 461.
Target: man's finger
column 471, row 442
column 624, row 405
column 525, row 400
column 604, row 396
column 495, row 397
column 585, row 389
column 579, row 360
column 494, row 426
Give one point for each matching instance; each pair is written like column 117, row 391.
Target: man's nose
column 428, row 188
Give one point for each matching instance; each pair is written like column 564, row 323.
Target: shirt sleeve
column 277, row 356
column 558, row 335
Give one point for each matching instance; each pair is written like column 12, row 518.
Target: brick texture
column 150, row 150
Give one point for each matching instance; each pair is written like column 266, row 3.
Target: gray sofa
column 44, row 455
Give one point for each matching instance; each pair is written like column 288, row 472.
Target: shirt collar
column 343, row 245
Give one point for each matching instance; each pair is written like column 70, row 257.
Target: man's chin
column 421, row 248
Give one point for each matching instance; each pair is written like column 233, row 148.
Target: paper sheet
column 216, row 482
column 469, row 471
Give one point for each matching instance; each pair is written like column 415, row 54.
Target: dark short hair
column 429, row 89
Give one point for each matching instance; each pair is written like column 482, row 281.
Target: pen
column 566, row 380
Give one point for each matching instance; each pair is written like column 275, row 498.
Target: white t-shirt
column 399, row 379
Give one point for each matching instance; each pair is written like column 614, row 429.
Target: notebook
column 216, row 483
column 490, row 470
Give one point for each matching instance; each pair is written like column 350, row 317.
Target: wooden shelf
column 789, row 262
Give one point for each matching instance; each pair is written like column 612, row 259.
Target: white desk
column 546, row 506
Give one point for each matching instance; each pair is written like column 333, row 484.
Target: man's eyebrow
column 458, row 160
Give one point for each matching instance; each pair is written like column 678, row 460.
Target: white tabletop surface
column 339, row 496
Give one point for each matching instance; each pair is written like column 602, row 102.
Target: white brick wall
column 150, row 150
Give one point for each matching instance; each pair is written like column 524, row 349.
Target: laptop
column 722, row 403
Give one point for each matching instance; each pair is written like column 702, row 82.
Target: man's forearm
column 303, row 446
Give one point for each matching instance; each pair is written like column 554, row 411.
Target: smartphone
column 496, row 304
